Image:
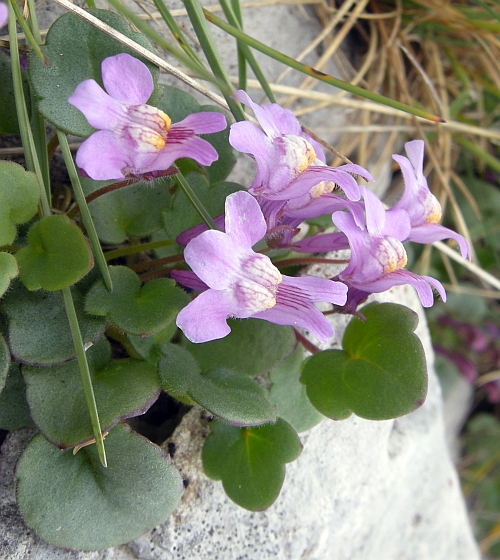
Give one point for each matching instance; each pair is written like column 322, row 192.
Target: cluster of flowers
column 292, row 184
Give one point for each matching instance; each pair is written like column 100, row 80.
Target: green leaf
column 182, row 214
column 135, row 310
column 8, row 114
column 73, row 61
column 122, row 388
column 250, row 461
column 73, row 502
column 38, row 327
column 290, row 396
column 229, row 395
column 253, row 347
column 134, row 211
column 14, row 413
column 8, row 271
column 4, row 362
column 381, row 372
column 19, row 195
column 56, row 257
column 148, row 347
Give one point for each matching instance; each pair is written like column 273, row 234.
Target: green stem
column 200, row 27
column 309, row 71
column 195, row 201
column 27, row 32
column 138, row 248
column 84, row 210
column 85, row 373
column 235, row 20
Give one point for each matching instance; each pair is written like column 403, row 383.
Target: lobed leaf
column 14, row 412
column 252, row 347
column 74, row 502
column 19, row 195
column 73, row 61
column 227, row 394
column 56, row 257
column 135, row 310
column 250, row 461
column 38, row 327
column 8, row 271
column 380, row 373
column 4, row 362
column 56, row 399
column 290, row 395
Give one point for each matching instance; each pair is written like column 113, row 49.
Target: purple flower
column 377, row 253
column 422, row 206
column 290, row 165
column 4, row 14
column 245, row 284
column 134, row 138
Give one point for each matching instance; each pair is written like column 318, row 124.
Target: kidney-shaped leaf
column 38, row 327
column 229, row 395
column 19, row 194
column 253, row 347
column 381, row 372
column 123, row 388
column 74, row 50
column 250, row 461
column 74, row 502
column 56, row 257
column 135, row 310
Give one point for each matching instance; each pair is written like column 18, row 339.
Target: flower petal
column 185, row 237
column 322, row 243
column 203, row 123
column 205, row 318
column 214, row 258
column 180, row 144
column 415, row 151
column 265, row 119
column 428, row 233
column 127, row 79
column 4, row 14
column 244, row 219
column 100, row 109
column 189, row 280
column 102, row 156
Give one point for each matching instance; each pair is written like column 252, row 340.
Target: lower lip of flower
column 392, row 255
column 258, row 283
column 299, row 154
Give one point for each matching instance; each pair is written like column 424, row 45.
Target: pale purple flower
column 242, row 283
column 4, row 14
column 290, row 165
column 134, row 138
column 378, row 257
column 422, row 206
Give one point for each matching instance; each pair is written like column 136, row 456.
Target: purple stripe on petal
column 127, row 79
column 180, row 143
column 205, row 318
column 317, row 289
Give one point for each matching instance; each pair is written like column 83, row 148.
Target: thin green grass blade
column 30, row 39
column 159, row 40
column 84, row 210
column 176, row 31
column 472, row 147
column 195, row 201
column 85, row 373
column 234, row 20
column 195, row 14
column 309, row 71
